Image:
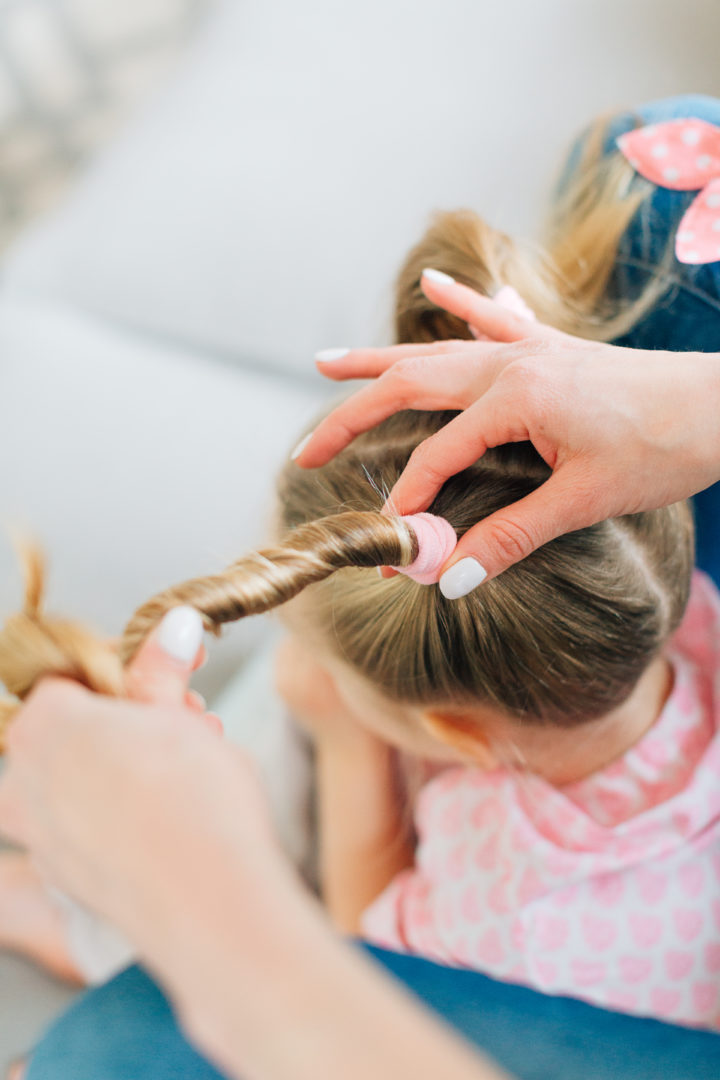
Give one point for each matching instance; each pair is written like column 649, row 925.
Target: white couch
column 157, row 332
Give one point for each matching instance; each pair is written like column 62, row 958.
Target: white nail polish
column 438, row 277
column 379, row 572
column 326, row 355
column 180, row 633
column 301, row 446
column 462, row 578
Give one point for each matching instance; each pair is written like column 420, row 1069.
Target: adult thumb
column 513, row 533
column 161, row 670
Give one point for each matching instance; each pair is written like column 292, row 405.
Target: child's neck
column 575, row 753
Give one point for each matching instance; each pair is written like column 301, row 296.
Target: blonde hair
column 33, row 644
column 561, row 637
column 565, row 280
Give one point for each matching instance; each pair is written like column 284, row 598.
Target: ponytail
column 266, row 579
column 565, row 280
column 33, row 645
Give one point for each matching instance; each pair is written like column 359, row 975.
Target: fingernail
column 301, row 446
column 379, row 572
column 326, row 355
column 438, row 277
column 180, row 633
column 462, row 578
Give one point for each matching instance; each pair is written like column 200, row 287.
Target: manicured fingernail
column 462, row 578
column 326, row 355
column 379, row 572
column 301, row 446
column 180, row 633
column 438, row 277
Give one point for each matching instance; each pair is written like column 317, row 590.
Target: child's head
column 563, row 637
column 560, row 639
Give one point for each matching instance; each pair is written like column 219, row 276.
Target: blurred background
column 195, row 196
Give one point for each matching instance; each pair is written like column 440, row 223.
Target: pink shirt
column 607, row 889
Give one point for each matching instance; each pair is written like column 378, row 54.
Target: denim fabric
column 126, row 1030
column 687, row 318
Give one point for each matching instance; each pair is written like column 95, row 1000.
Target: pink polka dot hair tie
column 436, row 540
column 683, row 155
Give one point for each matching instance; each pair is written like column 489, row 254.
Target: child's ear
column 462, row 733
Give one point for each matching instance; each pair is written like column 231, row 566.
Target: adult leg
column 126, row 1031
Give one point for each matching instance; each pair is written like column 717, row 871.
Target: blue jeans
column 126, row 1030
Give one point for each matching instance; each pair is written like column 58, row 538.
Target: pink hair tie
column 436, row 540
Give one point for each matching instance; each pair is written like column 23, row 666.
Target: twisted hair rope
column 33, row 644
column 264, row 580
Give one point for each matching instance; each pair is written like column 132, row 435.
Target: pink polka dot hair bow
column 683, row 155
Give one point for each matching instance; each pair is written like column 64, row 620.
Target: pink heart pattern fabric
column 683, row 155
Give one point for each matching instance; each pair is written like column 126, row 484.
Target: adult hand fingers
column 491, row 421
column 484, row 314
column 195, row 701
column 161, row 670
column 27, row 744
column 560, row 505
column 13, row 826
column 201, row 658
column 426, row 383
column 197, row 704
column 369, row 363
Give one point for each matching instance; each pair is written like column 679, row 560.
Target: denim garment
column 126, row 1030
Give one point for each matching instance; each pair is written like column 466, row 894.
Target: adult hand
column 140, row 812
column 623, row 430
column 99, row 789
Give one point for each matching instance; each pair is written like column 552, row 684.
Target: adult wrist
column 318, row 1007
column 226, row 941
